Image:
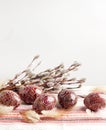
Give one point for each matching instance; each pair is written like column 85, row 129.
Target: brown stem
column 81, row 96
column 56, row 76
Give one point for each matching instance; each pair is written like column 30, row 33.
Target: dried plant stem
column 50, row 79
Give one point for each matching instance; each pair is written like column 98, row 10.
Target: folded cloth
column 77, row 114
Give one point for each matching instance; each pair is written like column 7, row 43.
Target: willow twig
column 49, row 80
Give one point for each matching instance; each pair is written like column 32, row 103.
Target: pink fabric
column 76, row 115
